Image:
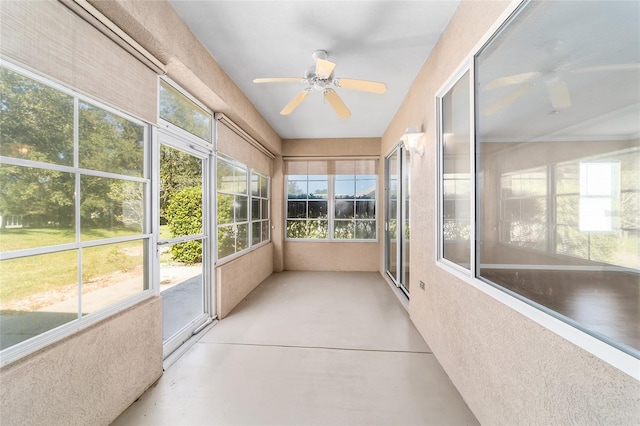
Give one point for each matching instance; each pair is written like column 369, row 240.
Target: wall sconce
column 411, row 137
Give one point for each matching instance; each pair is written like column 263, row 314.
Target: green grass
column 25, row 277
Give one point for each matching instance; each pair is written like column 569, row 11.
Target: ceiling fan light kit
column 321, row 79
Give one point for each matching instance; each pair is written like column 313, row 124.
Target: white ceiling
column 385, row 41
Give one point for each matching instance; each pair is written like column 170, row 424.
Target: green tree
column 184, row 217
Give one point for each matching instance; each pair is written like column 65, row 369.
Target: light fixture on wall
column 411, row 137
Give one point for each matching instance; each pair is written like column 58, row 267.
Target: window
column 558, row 165
column 260, row 224
column 73, row 185
column 523, row 212
column 233, row 207
column 181, row 111
column 455, row 164
column 243, row 217
column 555, row 182
column 331, row 199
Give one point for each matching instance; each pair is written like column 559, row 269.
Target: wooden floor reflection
column 603, row 302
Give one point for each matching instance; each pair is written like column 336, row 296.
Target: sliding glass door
column 183, row 247
column 397, row 197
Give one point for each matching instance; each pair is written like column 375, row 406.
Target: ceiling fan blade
column 336, row 103
column 324, row 68
column 364, row 85
column 511, row 80
column 294, row 103
column 279, row 80
column 508, row 99
column 559, row 93
column 611, row 67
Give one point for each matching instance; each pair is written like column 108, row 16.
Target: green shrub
column 184, row 217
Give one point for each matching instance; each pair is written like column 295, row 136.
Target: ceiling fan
column 321, row 79
column 551, row 77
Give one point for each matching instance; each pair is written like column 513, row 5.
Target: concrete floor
column 304, row 348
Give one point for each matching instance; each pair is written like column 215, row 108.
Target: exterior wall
column 90, row 377
column 325, row 255
column 238, row 277
column 508, row 369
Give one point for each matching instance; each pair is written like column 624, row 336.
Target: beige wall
column 237, row 278
column 331, row 256
column 90, row 377
column 508, row 369
column 328, row 256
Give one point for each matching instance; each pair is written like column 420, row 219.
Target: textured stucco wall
column 238, row 277
column 508, row 369
column 326, row 256
column 90, row 377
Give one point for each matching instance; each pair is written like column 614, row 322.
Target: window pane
column 109, row 143
column 226, row 240
column 110, row 208
column 558, row 164
column 36, row 207
column 242, row 239
column 180, row 182
column 241, row 209
column 314, row 229
column 297, row 189
column 265, row 210
column 38, row 293
column 36, row 122
column 318, row 189
column 111, row 273
column 366, row 189
column 345, row 189
column 344, row 209
column 179, row 110
column 455, row 147
column 264, row 187
column 256, row 232
column 366, row 229
column 265, row 231
column 240, row 186
column 344, row 229
column 365, row 209
column 255, row 185
column 296, row 209
column 317, row 209
column 225, row 208
column 255, row 208
column 225, row 179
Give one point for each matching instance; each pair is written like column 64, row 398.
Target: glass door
column 183, row 245
column 397, row 242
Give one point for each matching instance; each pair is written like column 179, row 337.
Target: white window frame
column 253, row 172
column 33, row 344
column 615, row 357
column 331, row 214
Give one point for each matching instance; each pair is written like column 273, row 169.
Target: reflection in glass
column 256, row 233
column 297, row 189
column 38, row 293
column 36, row 207
column 317, row 209
column 240, row 208
column 344, row 209
column 225, row 208
column 109, row 143
column 111, row 273
column 110, row 207
column 344, row 229
column 36, row 122
column 562, row 148
column 181, row 111
column 456, row 169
